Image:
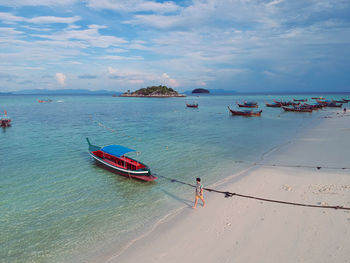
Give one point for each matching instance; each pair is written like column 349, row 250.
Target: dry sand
column 243, row 230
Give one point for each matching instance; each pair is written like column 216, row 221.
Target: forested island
column 153, row 91
column 196, row 91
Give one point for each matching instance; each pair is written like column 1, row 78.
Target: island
column 153, row 92
column 196, row 91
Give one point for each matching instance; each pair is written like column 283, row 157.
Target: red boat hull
column 246, row 114
column 297, row 109
column 247, row 106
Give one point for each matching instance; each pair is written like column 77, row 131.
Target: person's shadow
column 177, row 198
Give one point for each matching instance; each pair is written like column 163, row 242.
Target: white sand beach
column 243, row 230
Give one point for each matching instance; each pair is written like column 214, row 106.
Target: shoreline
column 183, row 217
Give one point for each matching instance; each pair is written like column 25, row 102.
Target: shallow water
column 57, row 205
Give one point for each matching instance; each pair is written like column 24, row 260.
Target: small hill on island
column 196, row 91
column 153, row 91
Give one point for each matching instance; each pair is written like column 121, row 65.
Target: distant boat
column 334, row 105
column 321, row 101
column 194, row 105
column 113, row 157
column 248, row 104
column 5, row 121
column 338, row 101
column 247, row 113
column 318, row 98
column 297, row 109
column 273, row 105
column 43, row 101
column 301, row 100
column 287, row 103
column 346, row 100
column 313, row 106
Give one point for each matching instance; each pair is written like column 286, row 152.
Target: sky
column 119, row 45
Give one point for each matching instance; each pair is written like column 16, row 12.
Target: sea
column 58, row 205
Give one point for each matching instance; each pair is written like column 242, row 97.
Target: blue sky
column 242, row 45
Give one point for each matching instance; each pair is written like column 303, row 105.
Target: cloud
column 170, row 81
column 8, row 17
column 61, row 78
column 133, row 5
column 18, row 3
column 84, row 38
column 87, row 76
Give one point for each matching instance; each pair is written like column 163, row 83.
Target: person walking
column 199, row 193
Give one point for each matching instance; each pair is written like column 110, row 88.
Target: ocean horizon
column 57, row 205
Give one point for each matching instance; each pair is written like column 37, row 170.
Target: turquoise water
column 57, row 205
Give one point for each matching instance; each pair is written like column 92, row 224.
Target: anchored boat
column 248, row 104
column 297, row 109
column 5, row 121
column 113, row 157
column 247, row 113
column 194, row 105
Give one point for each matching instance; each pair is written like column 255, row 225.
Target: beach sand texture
column 243, row 230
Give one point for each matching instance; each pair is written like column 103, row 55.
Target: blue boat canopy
column 116, row 150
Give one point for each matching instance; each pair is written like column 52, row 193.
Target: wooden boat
column 334, row 105
column 297, row 109
column 313, row 106
column 5, row 121
column 43, row 101
column 338, row 101
column 287, row 103
column 346, row 100
column 301, row 100
column 248, row 104
column 247, row 113
column 317, row 98
column 113, row 157
column 192, row 105
column 321, row 101
column 273, row 105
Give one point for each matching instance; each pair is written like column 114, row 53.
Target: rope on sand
column 296, row 166
column 230, row 194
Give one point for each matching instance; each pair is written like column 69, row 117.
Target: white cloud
column 61, row 78
column 133, row 5
column 17, row 3
column 53, row 19
column 8, row 17
column 86, row 38
column 170, row 81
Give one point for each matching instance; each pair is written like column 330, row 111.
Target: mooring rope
column 231, row 194
column 293, row 165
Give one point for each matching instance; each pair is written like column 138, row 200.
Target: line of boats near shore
column 297, row 105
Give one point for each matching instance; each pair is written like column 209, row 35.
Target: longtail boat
column 297, row 109
column 287, row 103
column 322, row 101
column 313, row 106
column 273, row 105
column 301, row 100
column 247, row 113
column 113, row 157
column 248, row 104
column 346, row 100
column 5, row 121
column 338, row 101
column 317, row 98
column 334, row 105
column 194, row 105
column 43, row 101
